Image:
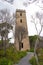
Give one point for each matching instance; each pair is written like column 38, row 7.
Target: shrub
column 33, row 61
column 40, row 55
column 32, row 40
column 1, row 52
column 12, row 55
column 22, row 53
column 39, row 50
column 31, row 50
column 19, row 55
column 4, row 61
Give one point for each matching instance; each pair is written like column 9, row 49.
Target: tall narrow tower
column 21, row 32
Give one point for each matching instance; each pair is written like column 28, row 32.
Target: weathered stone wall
column 25, row 41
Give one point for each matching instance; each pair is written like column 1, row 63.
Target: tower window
column 21, row 20
column 20, row 14
column 22, row 45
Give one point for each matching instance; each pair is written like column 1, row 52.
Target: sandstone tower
column 21, row 33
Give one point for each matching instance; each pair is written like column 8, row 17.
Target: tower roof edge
column 19, row 10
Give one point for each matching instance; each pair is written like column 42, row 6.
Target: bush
column 32, row 50
column 4, row 61
column 32, row 40
column 39, row 50
column 19, row 55
column 22, row 54
column 1, row 52
column 33, row 61
column 12, row 55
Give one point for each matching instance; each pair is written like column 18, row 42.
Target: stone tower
column 21, row 33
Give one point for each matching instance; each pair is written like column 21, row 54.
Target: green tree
column 6, row 24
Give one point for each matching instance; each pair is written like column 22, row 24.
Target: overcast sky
column 31, row 9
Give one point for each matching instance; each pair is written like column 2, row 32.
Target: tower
column 21, row 32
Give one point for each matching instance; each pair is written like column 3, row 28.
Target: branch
column 9, row 1
column 34, row 23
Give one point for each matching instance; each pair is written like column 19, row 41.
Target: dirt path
column 25, row 60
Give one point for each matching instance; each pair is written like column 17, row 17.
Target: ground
column 25, row 60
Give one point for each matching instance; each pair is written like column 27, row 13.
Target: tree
column 28, row 2
column 9, row 1
column 6, row 24
column 20, row 34
column 39, row 16
column 32, row 40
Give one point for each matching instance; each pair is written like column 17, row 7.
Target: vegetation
column 12, row 56
column 8, row 53
column 32, row 40
column 0, row 41
column 5, row 26
column 40, row 57
column 39, row 51
column 31, row 50
column 4, row 61
column 33, row 61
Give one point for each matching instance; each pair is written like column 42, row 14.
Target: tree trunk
column 5, row 46
column 2, row 41
column 35, row 51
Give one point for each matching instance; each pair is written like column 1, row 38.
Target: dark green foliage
column 33, row 61
column 32, row 41
column 4, row 61
column 1, row 52
column 19, row 55
column 12, row 55
column 31, row 50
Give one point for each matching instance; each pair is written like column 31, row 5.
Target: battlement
column 19, row 10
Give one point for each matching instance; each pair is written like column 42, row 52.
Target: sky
column 31, row 9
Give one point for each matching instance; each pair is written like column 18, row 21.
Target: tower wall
column 21, row 21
